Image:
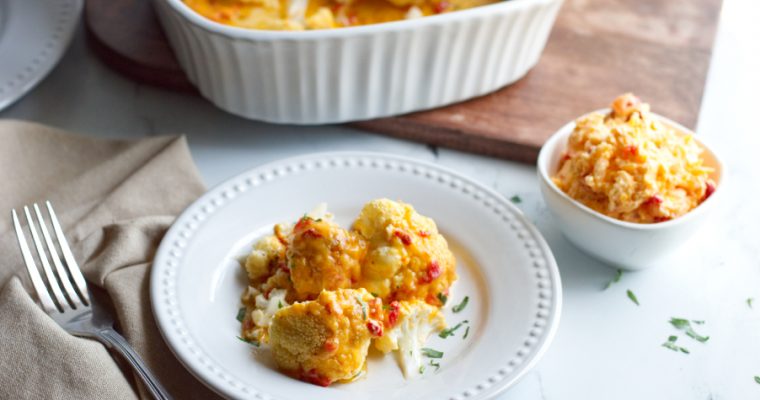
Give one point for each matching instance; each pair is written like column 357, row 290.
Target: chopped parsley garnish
column 616, row 279
column 698, row 321
column 435, row 364
column 749, row 301
column 374, row 294
column 422, row 369
column 279, row 305
column 450, row 332
column 671, row 344
column 443, row 298
column 431, row 353
column 241, row 314
column 466, row 332
column 459, row 307
column 249, row 341
column 757, row 379
column 679, row 323
column 363, row 306
column 632, row 297
column 685, row 325
column 515, row 199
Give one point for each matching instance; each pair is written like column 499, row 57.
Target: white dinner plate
column 34, row 34
column 504, row 266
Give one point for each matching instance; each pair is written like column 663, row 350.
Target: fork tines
column 65, row 282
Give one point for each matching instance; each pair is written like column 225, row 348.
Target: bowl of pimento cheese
column 628, row 186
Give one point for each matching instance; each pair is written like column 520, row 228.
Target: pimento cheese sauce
column 630, row 166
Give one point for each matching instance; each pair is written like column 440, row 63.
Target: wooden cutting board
column 658, row 49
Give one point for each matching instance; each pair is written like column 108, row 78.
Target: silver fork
column 70, row 304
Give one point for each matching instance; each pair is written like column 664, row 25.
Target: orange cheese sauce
column 407, row 259
column 323, row 256
column 321, row 14
column 316, row 291
column 326, row 339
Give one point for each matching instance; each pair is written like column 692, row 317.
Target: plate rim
column 480, row 390
column 48, row 52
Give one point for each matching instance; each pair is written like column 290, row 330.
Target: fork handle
column 115, row 341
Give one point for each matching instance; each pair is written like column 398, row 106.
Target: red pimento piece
column 283, row 267
column 312, row 233
column 374, row 328
column 423, row 233
column 331, row 345
column 404, row 237
column 440, row 7
column 661, row 219
column 353, row 20
column 709, row 190
column 632, row 150
column 302, row 223
column 433, row 271
column 312, row 376
column 393, row 313
column 654, row 200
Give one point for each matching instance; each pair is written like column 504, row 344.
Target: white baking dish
column 349, row 74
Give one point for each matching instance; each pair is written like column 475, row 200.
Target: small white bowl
column 621, row 244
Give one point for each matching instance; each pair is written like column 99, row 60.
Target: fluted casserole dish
column 357, row 73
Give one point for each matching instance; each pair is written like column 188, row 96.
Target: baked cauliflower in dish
column 629, row 165
column 319, row 294
column 298, row 15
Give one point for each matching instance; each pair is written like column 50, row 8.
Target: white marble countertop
column 606, row 347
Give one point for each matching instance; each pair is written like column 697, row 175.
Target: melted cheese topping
column 326, row 339
column 323, row 256
column 630, row 166
column 407, row 259
column 321, row 14
column 316, row 291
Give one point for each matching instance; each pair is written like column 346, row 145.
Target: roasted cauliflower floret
column 326, row 340
column 268, row 254
column 408, row 326
column 323, row 256
column 259, row 310
column 407, row 258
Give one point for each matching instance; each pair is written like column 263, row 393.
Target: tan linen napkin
column 115, row 199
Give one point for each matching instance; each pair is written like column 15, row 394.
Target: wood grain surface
column 658, row 49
